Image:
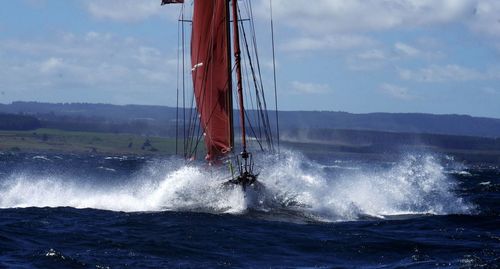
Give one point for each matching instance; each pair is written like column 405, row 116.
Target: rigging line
column 258, row 82
column 255, row 82
column 184, row 81
column 237, row 60
column 227, row 85
column 248, row 120
column 204, row 81
column 254, row 112
column 177, row 90
column 264, row 99
column 196, row 127
column 254, row 41
column 238, row 108
column 253, row 131
column 248, row 91
column 192, row 116
column 255, row 109
column 248, row 94
column 193, row 123
column 187, row 130
column 229, row 93
column 191, row 119
column 200, row 135
column 274, row 77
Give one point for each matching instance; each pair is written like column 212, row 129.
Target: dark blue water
column 69, row 211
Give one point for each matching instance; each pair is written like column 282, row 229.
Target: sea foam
column 415, row 185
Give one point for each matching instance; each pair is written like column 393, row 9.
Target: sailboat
column 216, row 59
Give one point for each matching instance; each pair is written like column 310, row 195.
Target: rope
column 274, row 78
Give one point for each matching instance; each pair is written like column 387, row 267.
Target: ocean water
column 72, row 211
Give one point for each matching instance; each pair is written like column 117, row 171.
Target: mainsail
column 211, row 75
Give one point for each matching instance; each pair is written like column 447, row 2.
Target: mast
column 237, row 61
column 229, row 76
column 246, row 175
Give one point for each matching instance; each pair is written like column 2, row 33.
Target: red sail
column 211, row 77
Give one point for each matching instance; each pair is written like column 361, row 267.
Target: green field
column 51, row 140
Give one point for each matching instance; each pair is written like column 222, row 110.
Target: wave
column 415, row 185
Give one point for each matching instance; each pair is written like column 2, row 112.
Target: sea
column 422, row 210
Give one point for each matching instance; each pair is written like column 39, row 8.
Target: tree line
column 19, row 122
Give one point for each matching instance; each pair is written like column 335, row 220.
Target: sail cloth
column 211, row 75
column 164, row 2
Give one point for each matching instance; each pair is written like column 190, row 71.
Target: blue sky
column 431, row 56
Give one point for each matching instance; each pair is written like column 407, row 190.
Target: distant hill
column 362, row 144
column 107, row 112
column 162, row 118
column 393, row 122
column 386, row 141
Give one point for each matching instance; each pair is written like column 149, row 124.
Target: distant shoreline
column 162, row 120
column 58, row 141
column 342, row 144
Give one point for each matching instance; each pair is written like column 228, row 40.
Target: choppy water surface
column 70, row 211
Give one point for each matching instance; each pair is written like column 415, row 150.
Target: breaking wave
column 415, row 185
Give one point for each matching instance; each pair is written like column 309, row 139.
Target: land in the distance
column 51, row 140
column 149, row 130
column 161, row 120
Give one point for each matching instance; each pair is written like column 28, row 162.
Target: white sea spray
column 415, row 185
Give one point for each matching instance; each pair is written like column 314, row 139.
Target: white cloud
column 329, row 42
column 446, row 73
column 396, row 91
column 92, row 64
column 373, row 54
column 126, row 10
column 423, row 50
column 93, row 36
column 406, row 49
column 51, row 65
column 383, row 56
column 366, row 15
column 370, row 59
column 331, row 17
column 309, row 88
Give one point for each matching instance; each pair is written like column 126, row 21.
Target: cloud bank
column 123, row 69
